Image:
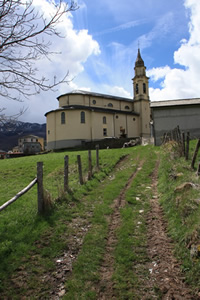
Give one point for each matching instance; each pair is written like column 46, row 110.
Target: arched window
column 94, row 101
column 110, row 105
column 136, row 88
column 104, row 120
column 127, row 107
column 82, row 117
column 144, row 88
column 62, row 117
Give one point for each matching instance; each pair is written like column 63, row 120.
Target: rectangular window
column 104, row 131
column 63, row 117
column 82, row 117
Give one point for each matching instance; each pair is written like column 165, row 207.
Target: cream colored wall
column 146, row 118
column 63, row 101
column 120, row 122
column 87, row 100
column 73, row 128
column 98, row 126
column 126, row 104
column 51, row 127
column 143, row 108
column 92, row 129
column 133, row 126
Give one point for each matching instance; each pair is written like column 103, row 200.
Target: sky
column 99, row 49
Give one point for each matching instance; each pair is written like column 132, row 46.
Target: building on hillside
column 167, row 115
column 87, row 116
column 15, row 149
column 30, row 144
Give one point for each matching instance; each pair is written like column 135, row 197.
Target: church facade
column 86, row 116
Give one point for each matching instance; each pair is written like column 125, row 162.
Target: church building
column 87, row 116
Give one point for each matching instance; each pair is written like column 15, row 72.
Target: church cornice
column 93, row 109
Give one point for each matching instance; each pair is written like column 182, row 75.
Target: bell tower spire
column 140, row 81
column 141, row 95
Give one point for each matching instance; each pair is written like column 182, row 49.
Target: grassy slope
column 20, row 226
column 182, row 209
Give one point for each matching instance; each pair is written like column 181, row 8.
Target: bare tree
column 23, row 35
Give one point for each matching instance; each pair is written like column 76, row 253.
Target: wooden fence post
column 198, row 169
column 183, row 143
column 89, row 164
column 97, row 157
column 187, row 146
column 80, row 169
column 179, row 134
column 195, row 153
column 66, row 173
column 40, row 187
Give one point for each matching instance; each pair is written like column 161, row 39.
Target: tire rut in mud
column 105, row 288
column 165, row 274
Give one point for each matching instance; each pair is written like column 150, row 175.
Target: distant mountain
column 10, row 132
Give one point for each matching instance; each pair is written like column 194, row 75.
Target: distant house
column 15, row 149
column 30, row 144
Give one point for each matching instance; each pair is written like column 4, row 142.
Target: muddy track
column 105, row 286
column 165, row 274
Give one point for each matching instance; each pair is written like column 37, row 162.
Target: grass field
column 30, row 244
column 20, row 224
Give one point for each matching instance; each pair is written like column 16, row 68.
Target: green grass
column 32, row 243
column 131, row 247
column 182, row 211
column 20, row 225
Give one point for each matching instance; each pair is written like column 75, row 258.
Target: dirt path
column 165, row 274
column 165, row 280
column 105, row 286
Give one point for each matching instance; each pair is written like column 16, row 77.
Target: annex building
column 167, row 115
column 86, row 116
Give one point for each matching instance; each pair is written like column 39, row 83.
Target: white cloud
column 116, row 91
column 182, row 82
column 158, row 73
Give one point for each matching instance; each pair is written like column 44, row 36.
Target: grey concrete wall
column 103, row 144
column 167, row 118
column 62, row 144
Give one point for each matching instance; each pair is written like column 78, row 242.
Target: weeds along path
column 165, row 275
column 105, row 289
column 40, row 277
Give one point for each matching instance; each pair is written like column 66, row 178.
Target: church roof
column 80, row 92
column 177, row 102
column 139, row 61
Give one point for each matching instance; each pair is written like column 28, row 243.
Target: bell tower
column 141, row 96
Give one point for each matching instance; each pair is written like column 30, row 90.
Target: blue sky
column 157, row 26
column 100, row 48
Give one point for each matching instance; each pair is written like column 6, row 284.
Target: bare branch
column 22, row 43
